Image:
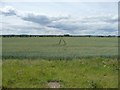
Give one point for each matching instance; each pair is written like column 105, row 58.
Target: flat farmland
column 49, row 47
column 83, row 62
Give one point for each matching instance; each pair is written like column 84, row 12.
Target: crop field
column 80, row 62
column 49, row 47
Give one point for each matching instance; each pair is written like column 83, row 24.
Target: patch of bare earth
column 53, row 85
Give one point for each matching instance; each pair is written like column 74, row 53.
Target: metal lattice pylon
column 62, row 42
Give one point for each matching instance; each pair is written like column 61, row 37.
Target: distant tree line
column 66, row 35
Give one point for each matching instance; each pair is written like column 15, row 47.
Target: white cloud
column 17, row 22
column 8, row 11
column 60, row 1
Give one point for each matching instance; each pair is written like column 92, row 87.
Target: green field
column 49, row 48
column 84, row 62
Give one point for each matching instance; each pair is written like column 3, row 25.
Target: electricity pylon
column 62, row 42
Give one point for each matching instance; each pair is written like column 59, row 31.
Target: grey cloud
column 64, row 26
column 9, row 12
column 107, row 19
column 40, row 19
column 88, row 25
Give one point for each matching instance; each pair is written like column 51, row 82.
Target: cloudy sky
column 58, row 18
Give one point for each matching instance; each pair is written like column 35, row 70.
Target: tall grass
column 79, row 73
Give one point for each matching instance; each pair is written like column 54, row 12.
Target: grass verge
column 79, row 73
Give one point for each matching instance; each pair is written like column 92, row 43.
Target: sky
column 59, row 18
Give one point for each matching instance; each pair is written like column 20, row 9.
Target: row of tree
column 66, row 35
